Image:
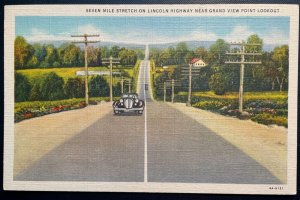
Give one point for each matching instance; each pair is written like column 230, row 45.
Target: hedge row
column 51, row 87
column 30, row 109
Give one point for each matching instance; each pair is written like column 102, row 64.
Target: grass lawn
column 70, row 72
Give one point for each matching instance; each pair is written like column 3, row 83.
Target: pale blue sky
column 273, row 30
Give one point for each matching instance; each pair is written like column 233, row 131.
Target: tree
column 22, row 88
column 94, row 56
column 51, row 55
column 98, row 87
column 52, row 87
column 70, row 55
column 74, row 88
column 281, row 59
column 218, row 83
column 40, row 52
column 202, row 53
column 218, row 52
column 127, row 57
column 114, row 51
column 23, row 52
column 181, row 51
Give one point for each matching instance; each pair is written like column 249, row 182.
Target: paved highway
column 162, row 145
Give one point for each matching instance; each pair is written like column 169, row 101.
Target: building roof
column 194, row 60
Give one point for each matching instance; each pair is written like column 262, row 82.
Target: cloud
column 238, row 34
column 137, row 36
column 275, row 36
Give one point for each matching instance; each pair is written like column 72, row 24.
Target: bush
column 98, row 87
column 266, row 118
column 117, row 90
column 74, row 88
column 217, row 83
column 211, row 105
column 36, row 94
column 22, row 88
column 52, row 87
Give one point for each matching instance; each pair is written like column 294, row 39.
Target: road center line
column 145, row 144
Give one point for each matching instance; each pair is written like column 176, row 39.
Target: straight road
column 163, row 145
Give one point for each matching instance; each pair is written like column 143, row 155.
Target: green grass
column 65, row 73
column 70, row 72
column 263, row 107
column 247, row 95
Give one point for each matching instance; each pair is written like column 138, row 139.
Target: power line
column 86, row 42
column 110, row 61
column 242, row 52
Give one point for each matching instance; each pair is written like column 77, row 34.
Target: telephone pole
column 86, row 42
column 190, row 71
column 173, row 84
column 242, row 52
column 122, row 85
column 165, row 91
column 110, row 61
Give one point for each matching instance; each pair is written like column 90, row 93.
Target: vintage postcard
column 151, row 98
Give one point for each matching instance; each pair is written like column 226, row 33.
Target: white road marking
column 145, row 144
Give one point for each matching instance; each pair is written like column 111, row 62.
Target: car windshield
column 129, row 96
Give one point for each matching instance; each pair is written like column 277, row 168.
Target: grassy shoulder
column 263, row 107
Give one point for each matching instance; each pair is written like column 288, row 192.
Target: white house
column 197, row 62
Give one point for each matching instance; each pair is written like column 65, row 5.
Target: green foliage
column 266, row 118
column 23, row 52
column 22, row 88
column 98, row 87
column 52, row 87
column 127, row 57
column 74, row 88
column 218, row 83
column 117, row 90
column 263, row 107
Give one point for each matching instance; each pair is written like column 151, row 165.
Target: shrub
column 74, row 88
column 217, row 83
column 266, row 118
column 98, row 87
column 52, row 87
column 22, row 88
column 36, row 94
column 117, row 89
column 211, row 105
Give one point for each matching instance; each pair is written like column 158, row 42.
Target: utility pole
column 190, row 85
column 86, row 42
column 243, row 62
column 165, row 91
column 110, row 61
column 122, row 85
column 173, row 84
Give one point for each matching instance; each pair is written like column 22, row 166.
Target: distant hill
column 191, row 44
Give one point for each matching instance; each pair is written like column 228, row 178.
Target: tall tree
column 218, row 52
column 181, row 51
column 281, row 59
column 23, row 52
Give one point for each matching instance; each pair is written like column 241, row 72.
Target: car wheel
column 116, row 112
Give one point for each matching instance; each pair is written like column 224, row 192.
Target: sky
column 154, row 30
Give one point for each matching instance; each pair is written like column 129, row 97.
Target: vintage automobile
column 129, row 103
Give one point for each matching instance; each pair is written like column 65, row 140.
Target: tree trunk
column 273, row 84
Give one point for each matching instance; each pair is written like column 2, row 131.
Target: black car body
column 129, row 103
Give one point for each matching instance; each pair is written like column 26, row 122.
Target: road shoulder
column 266, row 145
column 36, row 137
